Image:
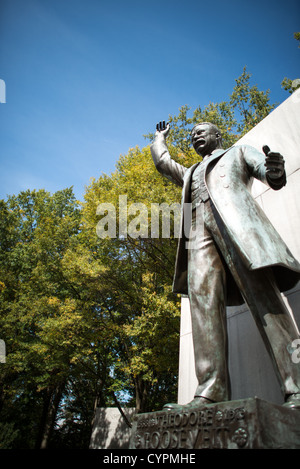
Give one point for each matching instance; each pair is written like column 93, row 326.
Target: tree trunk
column 121, row 410
column 141, row 395
column 51, row 403
column 98, row 402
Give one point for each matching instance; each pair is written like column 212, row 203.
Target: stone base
column 242, row 424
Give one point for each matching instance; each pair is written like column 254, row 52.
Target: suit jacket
column 229, row 177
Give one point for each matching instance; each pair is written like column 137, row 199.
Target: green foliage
column 251, row 104
column 287, row 83
column 8, row 435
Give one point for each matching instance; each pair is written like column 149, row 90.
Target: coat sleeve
column 256, row 165
column 164, row 163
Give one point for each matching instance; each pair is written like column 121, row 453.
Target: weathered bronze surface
column 228, row 253
column 242, row 424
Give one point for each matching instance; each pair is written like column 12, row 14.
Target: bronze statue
column 232, row 255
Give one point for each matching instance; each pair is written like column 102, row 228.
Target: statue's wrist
column 160, row 137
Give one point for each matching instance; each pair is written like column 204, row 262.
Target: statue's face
column 204, row 139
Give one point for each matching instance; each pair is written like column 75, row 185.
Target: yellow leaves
column 79, row 263
column 59, row 326
column 74, row 360
column 68, row 306
column 40, row 349
column 135, row 177
column 2, row 286
column 53, row 301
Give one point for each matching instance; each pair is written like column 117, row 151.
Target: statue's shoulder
column 242, row 147
column 243, row 151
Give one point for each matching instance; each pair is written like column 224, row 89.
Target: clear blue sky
column 86, row 79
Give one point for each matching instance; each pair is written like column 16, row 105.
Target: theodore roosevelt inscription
column 206, row 428
column 243, row 424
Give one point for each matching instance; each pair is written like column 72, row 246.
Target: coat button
column 225, row 185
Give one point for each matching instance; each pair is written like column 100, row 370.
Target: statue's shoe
column 196, row 402
column 293, row 401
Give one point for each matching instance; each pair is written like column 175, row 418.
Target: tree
column 36, row 229
column 139, row 274
column 287, row 83
column 252, row 105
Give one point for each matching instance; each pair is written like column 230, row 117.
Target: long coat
column 229, row 177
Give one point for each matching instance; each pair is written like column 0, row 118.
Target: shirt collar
column 213, row 153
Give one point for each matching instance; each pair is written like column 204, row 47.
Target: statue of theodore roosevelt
column 232, row 254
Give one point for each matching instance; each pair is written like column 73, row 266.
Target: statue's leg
column 269, row 311
column 274, row 322
column 207, row 294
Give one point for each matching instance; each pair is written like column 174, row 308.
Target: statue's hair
column 213, row 126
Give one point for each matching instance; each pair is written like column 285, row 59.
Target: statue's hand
column 162, row 128
column 274, row 163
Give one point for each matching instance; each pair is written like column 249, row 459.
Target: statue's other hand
column 162, row 128
column 274, row 163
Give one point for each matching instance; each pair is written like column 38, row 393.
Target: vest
column 199, row 192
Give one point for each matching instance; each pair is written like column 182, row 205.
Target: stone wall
column 110, row 429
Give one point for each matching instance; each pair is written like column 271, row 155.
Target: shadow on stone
column 111, row 431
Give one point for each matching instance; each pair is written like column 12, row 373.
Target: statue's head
column 206, row 137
